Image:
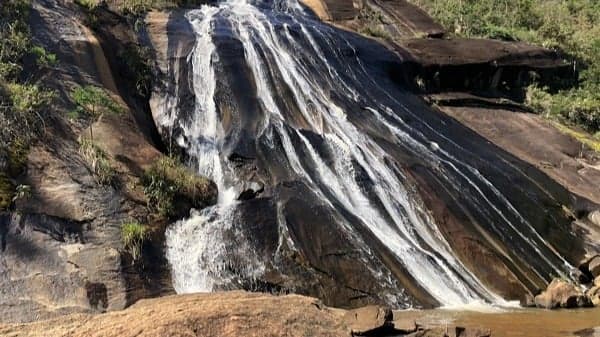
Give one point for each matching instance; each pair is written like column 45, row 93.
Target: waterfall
column 309, row 83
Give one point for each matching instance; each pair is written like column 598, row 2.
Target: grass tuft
column 133, row 235
column 99, row 162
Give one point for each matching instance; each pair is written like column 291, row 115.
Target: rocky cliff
column 62, row 248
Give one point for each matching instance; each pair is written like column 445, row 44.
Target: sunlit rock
column 562, row 294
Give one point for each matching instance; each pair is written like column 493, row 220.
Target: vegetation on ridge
column 99, row 162
column 24, row 102
column 93, row 102
column 571, row 27
column 137, row 7
column 166, row 180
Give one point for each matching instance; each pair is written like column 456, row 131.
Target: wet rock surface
column 320, row 252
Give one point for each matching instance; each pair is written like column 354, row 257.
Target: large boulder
column 594, row 294
column 562, row 294
column 594, row 217
column 369, row 320
column 594, row 266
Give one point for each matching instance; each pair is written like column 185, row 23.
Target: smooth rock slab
column 369, row 320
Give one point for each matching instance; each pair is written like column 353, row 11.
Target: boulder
column 369, row 320
column 562, row 294
column 594, row 294
column 251, row 190
column 594, row 217
column 528, row 301
column 593, row 266
column 405, row 325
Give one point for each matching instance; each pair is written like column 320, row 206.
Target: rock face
column 594, row 217
column 561, row 294
column 61, row 250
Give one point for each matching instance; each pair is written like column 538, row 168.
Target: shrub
column 134, row 235
column 29, row 99
column 373, row 23
column 138, row 61
column 570, row 27
column 43, row 58
column 23, row 109
column 136, row 7
column 160, row 189
column 98, row 160
column 15, row 40
column 7, row 191
column 167, row 180
column 17, row 156
column 23, row 106
column 88, row 4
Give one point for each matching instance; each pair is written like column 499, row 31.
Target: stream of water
column 310, row 83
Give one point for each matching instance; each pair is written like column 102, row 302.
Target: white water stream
column 197, row 250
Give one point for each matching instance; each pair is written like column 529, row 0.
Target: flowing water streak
column 196, row 247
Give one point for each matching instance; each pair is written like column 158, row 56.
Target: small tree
column 94, row 102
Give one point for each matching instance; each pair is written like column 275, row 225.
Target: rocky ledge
column 234, row 314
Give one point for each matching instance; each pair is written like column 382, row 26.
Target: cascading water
column 320, row 115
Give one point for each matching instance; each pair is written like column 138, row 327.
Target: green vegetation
column 93, row 102
column 15, row 41
column 373, row 23
column 7, row 191
column 44, row 58
column 134, row 235
column 17, row 156
column 571, row 27
column 168, row 179
column 24, row 105
column 136, row 7
column 138, row 63
column 98, row 160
